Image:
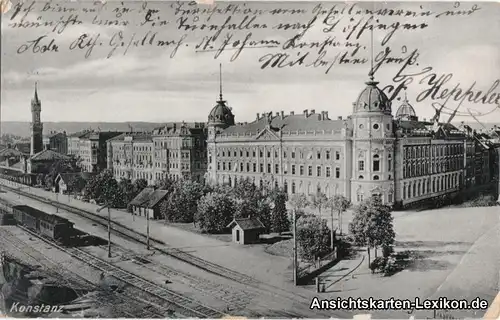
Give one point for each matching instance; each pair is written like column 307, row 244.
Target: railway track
column 185, row 306
column 50, row 268
column 130, row 234
column 119, row 229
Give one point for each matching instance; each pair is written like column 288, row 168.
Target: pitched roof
column 247, row 223
column 68, row 177
column 10, row 152
column 142, row 197
column 134, row 136
column 296, row 122
column 47, row 155
column 149, row 197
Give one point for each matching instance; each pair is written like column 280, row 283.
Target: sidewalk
column 251, row 261
column 344, row 270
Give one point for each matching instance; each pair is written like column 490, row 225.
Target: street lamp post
column 295, row 264
column 109, row 227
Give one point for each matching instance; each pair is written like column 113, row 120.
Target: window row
column 422, row 151
column 295, row 169
column 430, row 167
column 327, row 154
column 376, row 167
column 422, row 187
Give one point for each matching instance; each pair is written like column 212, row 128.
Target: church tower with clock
column 36, row 126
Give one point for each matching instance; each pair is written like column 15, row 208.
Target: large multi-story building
column 400, row 158
column 90, row 148
column 130, row 156
column 56, row 141
column 175, row 151
column 180, row 151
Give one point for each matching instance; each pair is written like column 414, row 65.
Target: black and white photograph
column 250, row 159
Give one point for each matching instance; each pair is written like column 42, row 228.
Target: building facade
column 90, row 148
column 57, row 141
column 180, row 151
column 130, row 156
column 403, row 160
column 36, row 126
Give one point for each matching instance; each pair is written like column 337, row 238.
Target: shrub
column 378, row 264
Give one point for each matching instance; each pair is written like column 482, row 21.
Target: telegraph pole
column 295, row 266
column 109, row 232
column 147, row 230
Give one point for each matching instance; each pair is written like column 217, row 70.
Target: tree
column 165, row 184
column 128, row 189
column 61, row 166
column 215, row 212
column 279, row 218
column 372, row 225
column 40, row 179
column 313, row 237
column 139, row 185
column 105, row 189
column 182, row 203
column 250, row 201
column 298, row 203
column 340, row 204
column 77, row 183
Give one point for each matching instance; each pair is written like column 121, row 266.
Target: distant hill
column 23, row 128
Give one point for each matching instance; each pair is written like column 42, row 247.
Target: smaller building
column 147, row 202
column 43, row 160
column 72, row 182
column 246, row 230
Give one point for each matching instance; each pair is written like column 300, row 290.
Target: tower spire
column 220, row 81
column 371, row 74
column 36, row 91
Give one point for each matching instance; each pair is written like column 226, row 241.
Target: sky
column 147, row 85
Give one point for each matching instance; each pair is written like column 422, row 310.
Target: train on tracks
column 47, row 225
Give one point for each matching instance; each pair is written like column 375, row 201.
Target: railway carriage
column 6, row 215
column 48, row 225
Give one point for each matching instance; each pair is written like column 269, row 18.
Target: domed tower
column 220, row 118
column 373, row 149
column 221, row 115
column 406, row 112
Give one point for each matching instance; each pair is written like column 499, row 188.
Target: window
column 269, row 154
column 276, row 168
column 318, row 155
column 253, row 153
column 375, row 126
column 241, row 167
column 234, row 153
column 376, row 163
column 218, row 165
column 248, row 154
column 327, row 154
column 360, row 197
column 275, row 153
column 261, row 167
column 223, row 166
column 284, row 154
column 375, row 177
column 328, row 172
column 293, row 187
column 361, row 178
column 254, row 167
column 318, row 171
column 248, row 167
column 293, row 154
column 361, row 126
column 337, row 172
column 337, row 155
column 229, row 166
column 241, row 153
column 301, row 170
column 310, row 171
column 361, row 165
column 261, row 154
column 293, row 169
column 269, row 168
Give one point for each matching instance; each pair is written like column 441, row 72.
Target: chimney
column 258, row 116
column 282, row 114
column 325, row 115
column 306, row 113
column 312, row 111
column 292, row 113
column 277, row 114
column 339, row 117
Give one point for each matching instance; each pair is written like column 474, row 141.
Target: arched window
column 361, row 178
column 376, row 163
